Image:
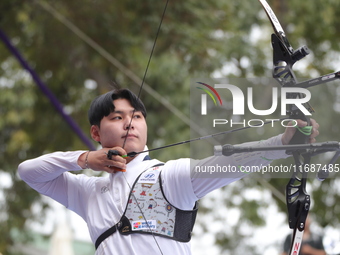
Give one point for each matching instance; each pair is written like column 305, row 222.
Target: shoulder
column 179, row 168
column 177, row 164
column 177, row 184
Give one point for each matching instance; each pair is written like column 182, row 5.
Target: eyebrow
column 122, row 112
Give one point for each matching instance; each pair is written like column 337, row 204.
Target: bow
column 297, row 199
column 284, row 57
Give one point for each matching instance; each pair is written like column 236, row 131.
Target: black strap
column 107, row 233
column 114, row 228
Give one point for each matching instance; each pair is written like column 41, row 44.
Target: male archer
column 120, row 220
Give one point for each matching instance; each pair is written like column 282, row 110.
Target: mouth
column 129, row 136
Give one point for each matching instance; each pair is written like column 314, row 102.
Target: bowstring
column 147, row 68
column 132, row 116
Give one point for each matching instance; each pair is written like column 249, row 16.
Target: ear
column 95, row 134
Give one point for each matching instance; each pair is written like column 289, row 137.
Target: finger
column 115, row 151
column 315, row 133
column 312, row 140
column 114, row 158
column 315, row 128
column 112, row 169
column 119, row 170
column 314, row 123
column 116, row 162
column 109, row 170
column 299, row 123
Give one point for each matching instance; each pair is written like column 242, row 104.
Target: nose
column 128, row 123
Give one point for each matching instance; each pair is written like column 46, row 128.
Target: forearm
column 49, row 166
column 217, row 171
column 46, row 175
column 256, row 158
column 260, row 158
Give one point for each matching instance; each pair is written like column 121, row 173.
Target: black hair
column 103, row 105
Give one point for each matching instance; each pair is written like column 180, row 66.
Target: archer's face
column 113, row 128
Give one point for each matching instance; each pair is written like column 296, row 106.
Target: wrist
column 83, row 160
column 86, row 160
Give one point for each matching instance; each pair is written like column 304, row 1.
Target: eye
column 116, row 118
column 137, row 115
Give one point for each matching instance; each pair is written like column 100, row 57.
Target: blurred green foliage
column 197, row 39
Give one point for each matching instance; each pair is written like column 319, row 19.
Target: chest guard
column 160, row 217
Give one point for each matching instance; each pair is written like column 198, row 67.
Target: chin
column 133, row 149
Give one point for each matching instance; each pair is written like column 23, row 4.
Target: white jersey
column 101, row 201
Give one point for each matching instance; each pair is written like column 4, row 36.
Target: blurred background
column 81, row 49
